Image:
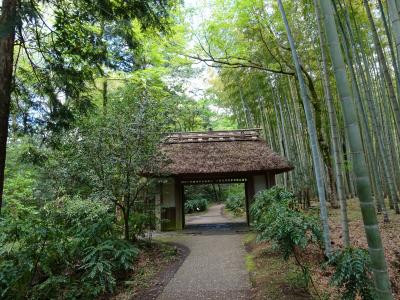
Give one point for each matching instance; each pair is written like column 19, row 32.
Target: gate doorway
column 219, row 203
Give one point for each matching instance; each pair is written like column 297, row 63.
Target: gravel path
column 213, row 216
column 215, row 267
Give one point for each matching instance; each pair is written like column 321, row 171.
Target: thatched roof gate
column 221, row 152
column 215, row 157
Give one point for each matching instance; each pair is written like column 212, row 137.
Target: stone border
column 160, row 281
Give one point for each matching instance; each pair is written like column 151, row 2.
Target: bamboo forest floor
column 390, row 237
column 274, row 278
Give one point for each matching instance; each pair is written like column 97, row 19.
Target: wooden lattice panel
column 213, row 181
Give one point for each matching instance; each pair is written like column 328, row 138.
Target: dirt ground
column 390, row 237
column 156, row 265
column 274, row 278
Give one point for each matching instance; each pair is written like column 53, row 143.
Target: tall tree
column 395, row 19
column 68, row 62
column 312, row 134
column 378, row 261
column 337, row 159
column 7, row 37
column 384, row 69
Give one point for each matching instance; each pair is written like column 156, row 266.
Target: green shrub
column 352, row 273
column 102, row 261
column 264, row 199
column 140, row 222
column 288, row 229
column 67, row 249
column 235, row 203
column 277, row 219
column 195, row 205
column 205, row 191
column 21, row 173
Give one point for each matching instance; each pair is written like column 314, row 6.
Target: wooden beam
column 249, row 191
column 179, row 204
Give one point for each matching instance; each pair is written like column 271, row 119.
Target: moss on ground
column 271, row 276
column 250, row 264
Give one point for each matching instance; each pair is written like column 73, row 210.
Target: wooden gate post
column 179, row 204
column 249, row 192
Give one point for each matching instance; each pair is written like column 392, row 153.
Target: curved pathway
column 215, row 267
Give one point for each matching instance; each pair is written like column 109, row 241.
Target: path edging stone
column 165, row 275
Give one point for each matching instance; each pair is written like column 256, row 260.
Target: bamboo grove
column 322, row 79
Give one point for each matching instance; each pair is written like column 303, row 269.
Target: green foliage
column 264, row 199
column 140, row 222
column 21, row 174
column 195, row 205
column 80, row 42
column 235, row 203
column 353, row 273
column 276, row 219
column 104, row 156
column 234, row 195
column 66, row 249
column 207, row 191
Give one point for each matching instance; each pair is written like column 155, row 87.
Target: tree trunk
column 363, row 64
column 390, row 44
column 378, row 261
column 337, row 160
column 368, row 142
column 7, row 37
column 215, row 193
column 333, row 130
column 126, row 224
column 246, row 112
column 395, row 19
column 105, row 95
column 312, row 135
column 384, row 69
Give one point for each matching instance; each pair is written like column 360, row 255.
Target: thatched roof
column 220, row 152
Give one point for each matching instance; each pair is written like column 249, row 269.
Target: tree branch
column 225, row 62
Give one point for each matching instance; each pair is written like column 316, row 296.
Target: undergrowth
column 197, row 204
column 277, row 218
column 65, row 250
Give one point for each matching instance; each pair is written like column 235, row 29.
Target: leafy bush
column 195, row 205
column 67, row 249
column 105, row 154
column 264, row 199
column 21, row 173
column 211, row 192
column 235, row 203
column 352, row 273
column 288, row 229
column 276, row 219
column 140, row 222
